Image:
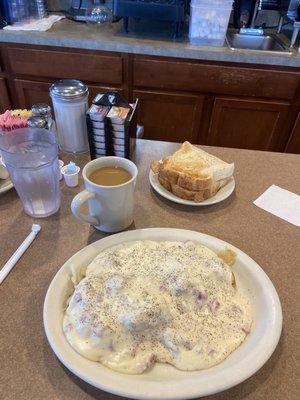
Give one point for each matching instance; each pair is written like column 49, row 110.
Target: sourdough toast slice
column 192, row 168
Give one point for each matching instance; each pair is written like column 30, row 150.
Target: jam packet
column 98, row 113
column 118, row 115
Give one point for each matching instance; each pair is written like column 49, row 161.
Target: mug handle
column 76, row 204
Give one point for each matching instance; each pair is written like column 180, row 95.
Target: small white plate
column 221, row 195
column 164, row 382
column 5, row 185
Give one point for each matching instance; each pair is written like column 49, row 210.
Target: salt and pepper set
column 41, row 117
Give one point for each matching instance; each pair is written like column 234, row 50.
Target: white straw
column 19, row 252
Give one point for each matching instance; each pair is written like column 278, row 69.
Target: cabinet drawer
column 204, row 78
column 103, row 68
column 32, row 92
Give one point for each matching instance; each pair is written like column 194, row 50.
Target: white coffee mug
column 110, row 207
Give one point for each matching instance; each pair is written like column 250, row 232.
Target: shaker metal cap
column 41, row 109
column 68, row 89
column 36, row 122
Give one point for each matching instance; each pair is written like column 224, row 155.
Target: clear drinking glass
column 31, row 157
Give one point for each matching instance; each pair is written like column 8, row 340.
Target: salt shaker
column 44, row 111
column 70, row 102
column 37, row 122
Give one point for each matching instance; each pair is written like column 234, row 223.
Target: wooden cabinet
column 242, row 106
column 216, row 103
column 162, row 73
column 247, row 124
column 106, row 68
column 171, row 117
column 31, row 92
column 4, row 97
column 293, row 145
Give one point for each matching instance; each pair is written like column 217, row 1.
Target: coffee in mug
column 110, row 176
column 109, row 192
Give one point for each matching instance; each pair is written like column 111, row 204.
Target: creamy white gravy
column 145, row 302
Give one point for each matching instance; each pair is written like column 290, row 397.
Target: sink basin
column 256, row 42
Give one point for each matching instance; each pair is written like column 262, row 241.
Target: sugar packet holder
column 107, row 138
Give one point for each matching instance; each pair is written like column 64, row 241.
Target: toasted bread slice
column 193, row 195
column 192, row 168
column 198, row 195
column 165, row 183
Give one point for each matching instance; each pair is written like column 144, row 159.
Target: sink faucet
column 252, row 30
column 257, row 8
column 292, row 14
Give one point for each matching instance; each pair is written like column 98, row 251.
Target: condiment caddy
column 112, row 128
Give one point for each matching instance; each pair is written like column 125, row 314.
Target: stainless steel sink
column 269, row 43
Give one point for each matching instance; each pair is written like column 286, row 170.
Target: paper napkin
column 282, row 203
column 37, row 25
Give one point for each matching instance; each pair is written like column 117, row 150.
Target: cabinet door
column 248, row 124
column 32, row 92
column 170, row 117
column 293, row 145
column 4, row 97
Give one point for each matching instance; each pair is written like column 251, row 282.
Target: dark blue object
column 161, row 10
column 4, row 4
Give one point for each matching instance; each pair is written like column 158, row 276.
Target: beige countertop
column 109, row 37
column 29, row 369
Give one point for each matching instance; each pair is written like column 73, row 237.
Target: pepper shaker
column 37, row 122
column 44, row 110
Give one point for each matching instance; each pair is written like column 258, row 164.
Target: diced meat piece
column 214, row 305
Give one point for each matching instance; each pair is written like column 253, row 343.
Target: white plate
column 5, row 185
column 164, row 381
column 221, row 195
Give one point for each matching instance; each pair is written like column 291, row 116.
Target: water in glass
column 31, row 157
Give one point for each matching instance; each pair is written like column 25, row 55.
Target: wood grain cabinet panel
column 293, row 145
column 170, row 117
column 4, row 97
column 104, row 68
column 32, row 92
column 247, row 124
column 205, row 102
column 204, row 78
